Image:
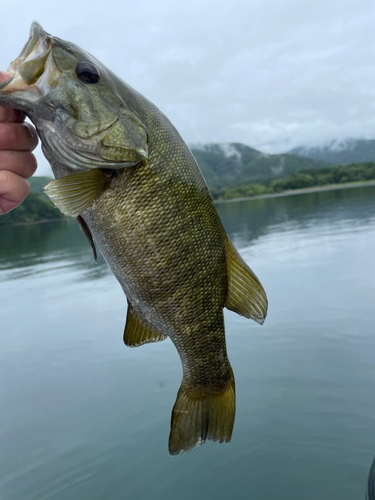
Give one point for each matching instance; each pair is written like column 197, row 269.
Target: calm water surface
column 82, row 417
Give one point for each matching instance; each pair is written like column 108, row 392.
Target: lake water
column 82, row 417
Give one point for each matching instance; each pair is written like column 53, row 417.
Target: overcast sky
column 270, row 74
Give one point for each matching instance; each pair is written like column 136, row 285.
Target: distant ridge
column 228, row 168
column 340, row 152
column 230, row 164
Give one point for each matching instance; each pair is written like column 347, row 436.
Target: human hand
column 17, row 163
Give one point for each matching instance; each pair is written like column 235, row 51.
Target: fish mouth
column 30, row 64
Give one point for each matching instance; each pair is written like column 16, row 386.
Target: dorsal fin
column 139, row 332
column 246, row 295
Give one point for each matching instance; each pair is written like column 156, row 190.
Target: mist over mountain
column 229, row 164
column 341, row 152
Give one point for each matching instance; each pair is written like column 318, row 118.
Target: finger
column 8, row 114
column 18, row 137
column 4, row 76
column 21, row 163
column 13, row 190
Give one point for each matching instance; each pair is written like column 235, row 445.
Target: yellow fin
column 138, row 332
column 246, row 295
column 73, row 194
column 197, row 417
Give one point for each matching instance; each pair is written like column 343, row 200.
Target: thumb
column 4, row 75
column 8, row 114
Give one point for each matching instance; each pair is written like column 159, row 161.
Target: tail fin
column 197, row 417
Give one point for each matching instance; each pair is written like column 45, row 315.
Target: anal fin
column 246, row 295
column 139, row 332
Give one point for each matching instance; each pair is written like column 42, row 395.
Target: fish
column 124, row 172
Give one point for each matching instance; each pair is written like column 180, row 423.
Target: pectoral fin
column 73, row 194
column 138, row 332
column 246, row 295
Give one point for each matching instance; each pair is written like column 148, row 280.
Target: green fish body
column 125, row 173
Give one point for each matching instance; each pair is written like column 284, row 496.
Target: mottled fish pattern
column 123, row 171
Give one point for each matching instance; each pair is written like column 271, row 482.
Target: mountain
column 340, row 152
column 38, row 183
column 230, row 164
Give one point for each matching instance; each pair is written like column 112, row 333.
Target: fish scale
column 123, row 171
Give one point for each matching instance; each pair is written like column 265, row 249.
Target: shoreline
column 290, row 192
column 31, row 223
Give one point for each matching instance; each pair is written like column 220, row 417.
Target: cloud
column 273, row 75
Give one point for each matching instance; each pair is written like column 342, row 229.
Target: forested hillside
column 227, row 170
column 232, row 164
column 307, row 178
column 36, row 207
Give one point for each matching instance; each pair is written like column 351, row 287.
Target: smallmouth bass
column 123, row 171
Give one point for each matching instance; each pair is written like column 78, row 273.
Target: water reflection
column 24, row 247
column 49, row 247
column 83, row 417
column 246, row 221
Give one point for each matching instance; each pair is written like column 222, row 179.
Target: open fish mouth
column 30, row 64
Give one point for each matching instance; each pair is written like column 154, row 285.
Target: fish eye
column 87, row 72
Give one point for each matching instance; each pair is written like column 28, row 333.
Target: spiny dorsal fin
column 73, row 194
column 138, row 332
column 246, row 295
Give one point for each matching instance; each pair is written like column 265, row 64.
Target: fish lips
column 29, row 65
